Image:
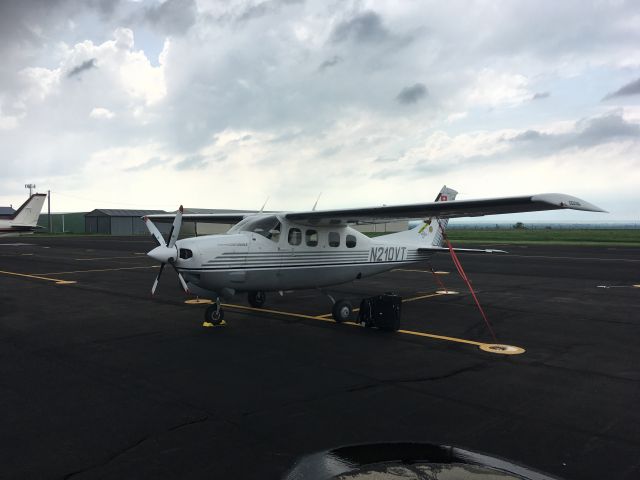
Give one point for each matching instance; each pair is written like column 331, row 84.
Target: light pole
column 31, row 187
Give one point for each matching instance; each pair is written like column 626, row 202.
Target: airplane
column 282, row 251
column 25, row 219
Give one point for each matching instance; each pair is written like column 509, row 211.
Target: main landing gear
column 257, row 298
column 341, row 311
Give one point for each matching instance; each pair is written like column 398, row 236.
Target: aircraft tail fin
column 29, row 211
column 429, row 231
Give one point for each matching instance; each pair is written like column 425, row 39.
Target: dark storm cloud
column 588, row 133
column 604, row 129
column 632, row 88
column 541, row 95
column 412, row 94
column 87, row 65
column 193, row 162
column 332, row 62
column 364, row 27
column 172, row 16
column 265, row 8
column 29, row 20
column 26, row 26
column 152, row 162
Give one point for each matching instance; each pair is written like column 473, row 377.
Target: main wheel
column 341, row 311
column 257, row 298
column 213, row 315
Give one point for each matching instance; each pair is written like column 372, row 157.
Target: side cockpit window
column 266, row 225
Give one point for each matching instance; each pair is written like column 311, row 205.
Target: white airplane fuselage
column 299, row 258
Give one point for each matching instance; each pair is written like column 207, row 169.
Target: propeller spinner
column 166, row 252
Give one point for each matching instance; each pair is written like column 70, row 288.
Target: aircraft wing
column 224, row 218
column 452, row 209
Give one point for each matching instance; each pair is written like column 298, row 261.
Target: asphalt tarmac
column 99, row 380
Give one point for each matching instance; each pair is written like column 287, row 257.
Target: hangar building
column 129, row 222
column 120, row 222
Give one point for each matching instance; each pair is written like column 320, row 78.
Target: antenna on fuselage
column 316, row 204
column 264, row 205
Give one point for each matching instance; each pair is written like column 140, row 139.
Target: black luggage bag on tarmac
column 381, row 311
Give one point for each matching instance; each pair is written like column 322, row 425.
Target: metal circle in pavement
column 501, row 349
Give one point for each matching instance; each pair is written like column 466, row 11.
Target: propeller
column 166, row 252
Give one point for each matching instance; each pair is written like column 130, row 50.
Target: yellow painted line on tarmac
column 327, row 315
column 437, row 272
column 322, row 318
column 440, row 337
column 636, row 286
column 101, row 270
column 198, row 301
column 278, row 312
column 421, row 297
column 57, row 281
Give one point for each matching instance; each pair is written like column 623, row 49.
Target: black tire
column 257, row 299
column 341, row 311
column 213, row 315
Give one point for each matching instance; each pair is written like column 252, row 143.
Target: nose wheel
column 214, row 314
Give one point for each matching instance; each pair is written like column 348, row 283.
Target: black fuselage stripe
column 301, row 265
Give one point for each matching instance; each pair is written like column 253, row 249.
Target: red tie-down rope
column 435, row 275
column 458, row 265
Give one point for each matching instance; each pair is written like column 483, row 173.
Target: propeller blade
column 182, row 282
column 175, row 228
column 155, row 283
column 154, row 231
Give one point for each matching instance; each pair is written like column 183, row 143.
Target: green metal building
column 62, row 222
column 119, row 222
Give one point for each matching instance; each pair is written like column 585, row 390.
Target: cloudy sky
column 221, row 104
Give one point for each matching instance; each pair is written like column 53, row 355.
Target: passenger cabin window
column 185, row 253
column 311, row 238
column 266, row 225
column 351, row 241
column 295, row 236
column 334, row 239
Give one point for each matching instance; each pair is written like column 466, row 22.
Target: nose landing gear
column 213, row 315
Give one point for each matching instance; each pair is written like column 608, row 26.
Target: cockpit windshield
column 266, row 225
